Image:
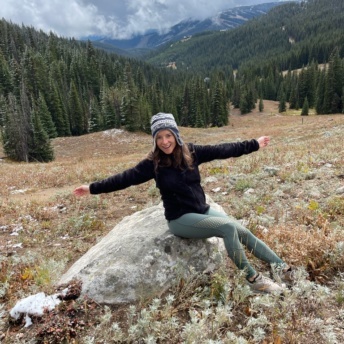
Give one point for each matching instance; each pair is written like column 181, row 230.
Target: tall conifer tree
column 43, row 113
column 40, row 148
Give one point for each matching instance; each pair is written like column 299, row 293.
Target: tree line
column 313, row 86
column 297, row 35
column 290, row 35
column 52, row 86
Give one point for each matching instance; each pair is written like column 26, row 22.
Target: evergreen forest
column 52, row 86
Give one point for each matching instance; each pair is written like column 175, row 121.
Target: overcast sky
column 111, row 18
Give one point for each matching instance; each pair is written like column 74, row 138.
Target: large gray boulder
column 140, row 258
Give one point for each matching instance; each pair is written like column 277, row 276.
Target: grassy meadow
column 290, row 194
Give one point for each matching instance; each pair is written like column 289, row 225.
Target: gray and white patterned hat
column 162, row 121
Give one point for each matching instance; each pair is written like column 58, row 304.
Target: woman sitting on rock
column 174, row 166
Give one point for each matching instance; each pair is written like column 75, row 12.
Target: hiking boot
column 264, row 285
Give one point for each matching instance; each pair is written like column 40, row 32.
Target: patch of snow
column 112, row 132
column 35, row 305
column 28, row 218
column 17, row 229
column 21, row 191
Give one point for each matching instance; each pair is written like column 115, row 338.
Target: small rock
column 272, row 171
column 340, row 190
column 249, row 191
column 210, row 180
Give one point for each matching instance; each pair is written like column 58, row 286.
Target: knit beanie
column 162, row 121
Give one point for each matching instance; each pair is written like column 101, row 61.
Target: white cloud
column 114, row 18
column 63, row 17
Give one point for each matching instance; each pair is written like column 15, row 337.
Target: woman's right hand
column 82, row 190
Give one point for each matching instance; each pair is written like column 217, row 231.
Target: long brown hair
column 182, row 158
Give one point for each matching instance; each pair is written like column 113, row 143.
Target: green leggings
column 216, row 224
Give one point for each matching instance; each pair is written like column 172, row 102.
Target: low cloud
column 112, row 18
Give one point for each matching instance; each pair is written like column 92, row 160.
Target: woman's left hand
column 263, row 141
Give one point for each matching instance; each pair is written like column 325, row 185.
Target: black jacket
column 181, row 190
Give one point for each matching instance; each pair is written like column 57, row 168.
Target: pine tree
column 294, row 99
column 251, row 98
column 333, row 85
column 336, row 65
column 305, row 108
column 303, row 85
column 56, row 109
column 16, row 77
column 236, row 95
column 319, row 102
column 261, row 105
column 11, row 137
column 185, row 106
column 124, row 110
column 219, row 113
column 5, row 77
column 40, row 148
column 282, row 107
column 129, row 109
column 96, row 122
column 78, row 119
column 156, row 99
column 92, row 69
column 45, row 117
column 244, row 107
column 201, row 105
column 131, row 112
column 26, row 134
column 3, row 110
column 17, row 130
column 247, row 100
column 312, row 76
column 106, row 110
column 269, row 86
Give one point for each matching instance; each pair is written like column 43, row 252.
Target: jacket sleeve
column 225, row 150
column 141, row 173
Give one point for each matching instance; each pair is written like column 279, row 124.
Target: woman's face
column 166, row 141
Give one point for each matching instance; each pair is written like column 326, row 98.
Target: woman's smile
column 166, row 141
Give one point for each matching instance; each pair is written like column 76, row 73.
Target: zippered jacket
column 181, row 190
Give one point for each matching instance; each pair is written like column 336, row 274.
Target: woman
column 174, row 166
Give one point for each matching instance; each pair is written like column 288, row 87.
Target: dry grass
column 297, row 210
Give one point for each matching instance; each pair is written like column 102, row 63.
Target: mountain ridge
column 222, row 21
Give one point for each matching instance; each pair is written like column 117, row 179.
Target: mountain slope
column 290, row 35
column 225, row 20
